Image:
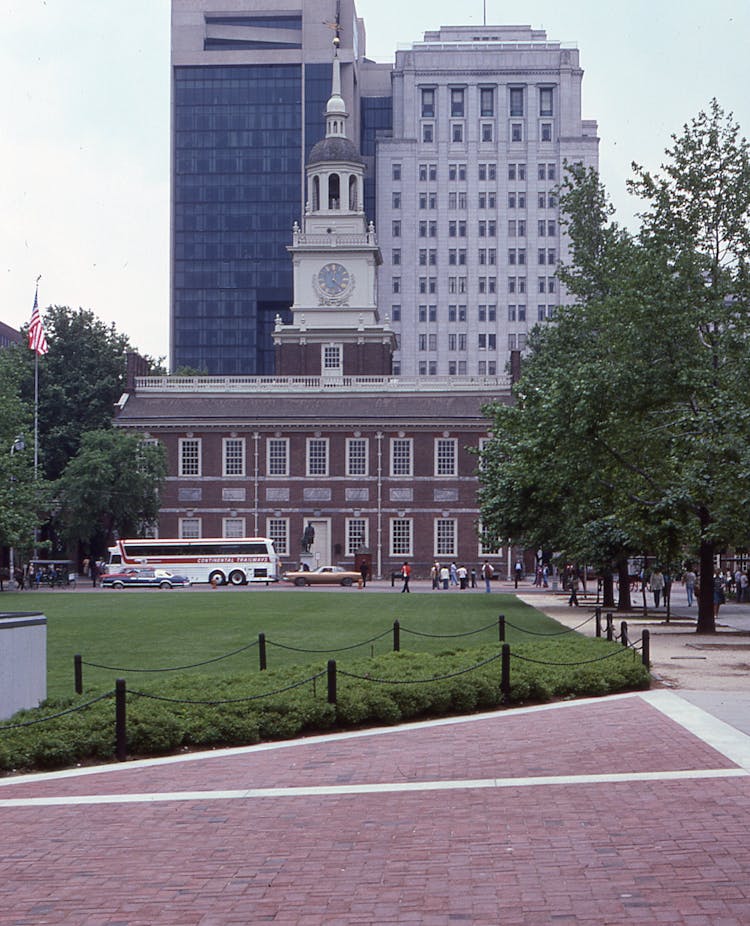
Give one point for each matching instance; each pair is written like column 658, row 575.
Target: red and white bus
column 219, row 560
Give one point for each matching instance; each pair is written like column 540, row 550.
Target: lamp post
column 17, row 446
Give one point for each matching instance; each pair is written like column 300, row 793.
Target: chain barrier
column 419, row 681
column 584, row 662
column 192, row 665
column 340, row 649
column 555, row 633
column 70, row 710
column 267, row 694
column 449, row 636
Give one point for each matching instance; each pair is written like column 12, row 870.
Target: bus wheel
column 237, row 577
column 217, row 578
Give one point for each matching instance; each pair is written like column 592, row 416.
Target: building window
column 445, row 537
column 277, row 530
column 516, row 101
column 428, row 133
column 396, row 171
column 486, row 101
column 401, row 456
column 317, row 456
column 445, row 456
column 545, row 101
column 428, row 103
column 396, row 284
column 189, row 528
column 396, row 313
column 457, row 131
column 190, row 456
column 396, row 229
column 396, row 257
column 234, row 456
column 457, row 102
column 401, row 537
column 487, row 131
column 356, row 535
column 233, row 527
column 546, row 131
column 516, row 131
column 277, row 449
column 332, row 359
column 396, row 200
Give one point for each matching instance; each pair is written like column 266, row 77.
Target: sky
column 84, row 110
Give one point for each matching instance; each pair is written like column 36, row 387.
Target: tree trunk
column 623, row 580
column 706, row 622
column 608, row 589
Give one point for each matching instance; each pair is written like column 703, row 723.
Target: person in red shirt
column 405, row 573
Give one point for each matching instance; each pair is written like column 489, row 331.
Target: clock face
column 333, row 279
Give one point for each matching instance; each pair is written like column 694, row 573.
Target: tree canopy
column 631, row 430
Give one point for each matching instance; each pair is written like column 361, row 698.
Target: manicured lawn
column 155, row 629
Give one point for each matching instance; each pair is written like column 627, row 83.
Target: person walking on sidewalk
column 573, row 586
column 487, row 574
column 690, row 580
column 405, row 574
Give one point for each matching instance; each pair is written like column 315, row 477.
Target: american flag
column 37, row 340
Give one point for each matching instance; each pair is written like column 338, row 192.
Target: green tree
column 636, row 398
column 80, row 379
column 111, row 486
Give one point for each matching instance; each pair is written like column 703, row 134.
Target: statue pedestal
column 307, row 559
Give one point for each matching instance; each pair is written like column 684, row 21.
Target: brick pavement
column 624, row 810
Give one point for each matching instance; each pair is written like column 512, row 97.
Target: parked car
column 323, row 575
column 144, row 578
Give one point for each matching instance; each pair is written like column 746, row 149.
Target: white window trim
column 349, row 442
column 327, row 444
column 410, row 441
column 410, row 552
column 192, row 440
column 438, row 441
column 366, row 538
column 225, row 521
column 198, row 521
column 269, row 474
column 454, row 551
column 286, row 534
column 224, row 444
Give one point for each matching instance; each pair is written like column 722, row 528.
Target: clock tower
column 336, row 330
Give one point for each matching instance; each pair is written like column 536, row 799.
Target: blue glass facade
column 238, row 167
column 376, row 120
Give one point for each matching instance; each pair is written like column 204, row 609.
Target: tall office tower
column 250, row 81
column 484, row 119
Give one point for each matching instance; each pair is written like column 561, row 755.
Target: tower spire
column 336, row 114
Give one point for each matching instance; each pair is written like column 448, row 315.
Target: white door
column 321, row 547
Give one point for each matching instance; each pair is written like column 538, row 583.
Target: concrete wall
column 23, row 662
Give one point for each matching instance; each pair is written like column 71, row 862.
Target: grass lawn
column 156, row 629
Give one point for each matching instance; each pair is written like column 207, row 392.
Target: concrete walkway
column 631, row 809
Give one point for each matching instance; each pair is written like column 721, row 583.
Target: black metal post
column 331, row 681
column 646, row 652
column 78, row 673
column 121, row 732
column 501, row 627
column 598, row 621
column 262, row 651
column 610, row 628
column 505, row 672
column 396, row 637
column 624, row 633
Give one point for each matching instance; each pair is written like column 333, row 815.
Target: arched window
column 316, row 194
column 334, row 192
column 353, row 193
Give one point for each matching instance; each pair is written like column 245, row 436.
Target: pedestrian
column 19, row 575
column 364, row 572
column 719, row 596
column 473, row 577
column 657, row 585
column 405, row 574
column 445, row 575
column 573, row 587
column 94, row 572
column 743, row 586
column 463, row 573
column 454, row 575
column 689, row 579
column 545, row 575
column 518, row 572
column 487, row 574
column 435, row 575
column 667, row 588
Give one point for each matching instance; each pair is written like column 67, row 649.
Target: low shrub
column 191, row 711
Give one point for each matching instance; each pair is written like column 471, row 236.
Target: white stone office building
column 484, row 120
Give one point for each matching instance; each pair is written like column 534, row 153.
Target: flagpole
column 36, row 426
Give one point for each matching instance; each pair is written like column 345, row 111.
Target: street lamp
column 18, row 445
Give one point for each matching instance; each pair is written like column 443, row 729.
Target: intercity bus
column 218, row 560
